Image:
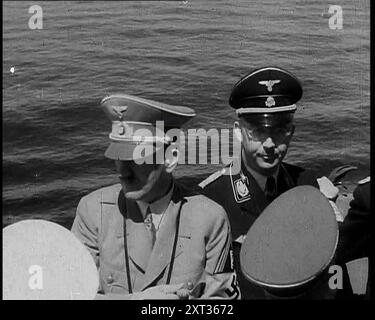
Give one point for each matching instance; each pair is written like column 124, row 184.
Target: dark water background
column 184, row 53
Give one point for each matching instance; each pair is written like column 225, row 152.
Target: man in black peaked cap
column 265, row 103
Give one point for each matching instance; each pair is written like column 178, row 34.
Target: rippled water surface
column 184, row 53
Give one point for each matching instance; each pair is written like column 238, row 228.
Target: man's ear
column 237, row 131
column 171, row 162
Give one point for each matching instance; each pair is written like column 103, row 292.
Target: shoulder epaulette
column 211, row 178
column 365, row 180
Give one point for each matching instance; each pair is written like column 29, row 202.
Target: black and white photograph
column 186, row 150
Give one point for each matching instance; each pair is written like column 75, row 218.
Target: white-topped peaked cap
column 134, row 122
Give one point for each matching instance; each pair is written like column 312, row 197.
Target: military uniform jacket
column 243, row 200
column 193, row 243
column 355, row 238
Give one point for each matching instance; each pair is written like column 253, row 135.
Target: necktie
column 150, row 226
column 270, row 190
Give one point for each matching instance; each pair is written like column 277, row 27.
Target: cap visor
column 130, row 151
column 269, row 119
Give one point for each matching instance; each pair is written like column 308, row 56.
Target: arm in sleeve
column 220, row 277
column 356, row 229
column 85, row 228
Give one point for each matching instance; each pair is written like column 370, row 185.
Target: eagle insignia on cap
column 270, row 102
column 120, row 110
column 269, row 84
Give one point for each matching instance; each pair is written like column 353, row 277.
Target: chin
column 268, row 166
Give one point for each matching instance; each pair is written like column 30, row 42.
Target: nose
column 268, row 144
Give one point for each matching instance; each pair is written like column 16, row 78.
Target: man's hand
column 328, row 188
column 185, row 293
column 162, row 292
column 331, row 192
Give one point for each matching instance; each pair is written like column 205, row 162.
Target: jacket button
column 110, row 279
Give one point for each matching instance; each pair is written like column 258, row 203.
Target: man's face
column 138, row 180
column 265, row 147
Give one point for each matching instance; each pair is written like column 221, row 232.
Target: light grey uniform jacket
column 202, row 252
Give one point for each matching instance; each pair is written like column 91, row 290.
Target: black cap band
column 280, row 119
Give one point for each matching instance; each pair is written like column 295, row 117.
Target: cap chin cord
column 141, row 139
column 240, row 111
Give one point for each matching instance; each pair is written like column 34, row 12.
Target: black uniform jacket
column 355, row 239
